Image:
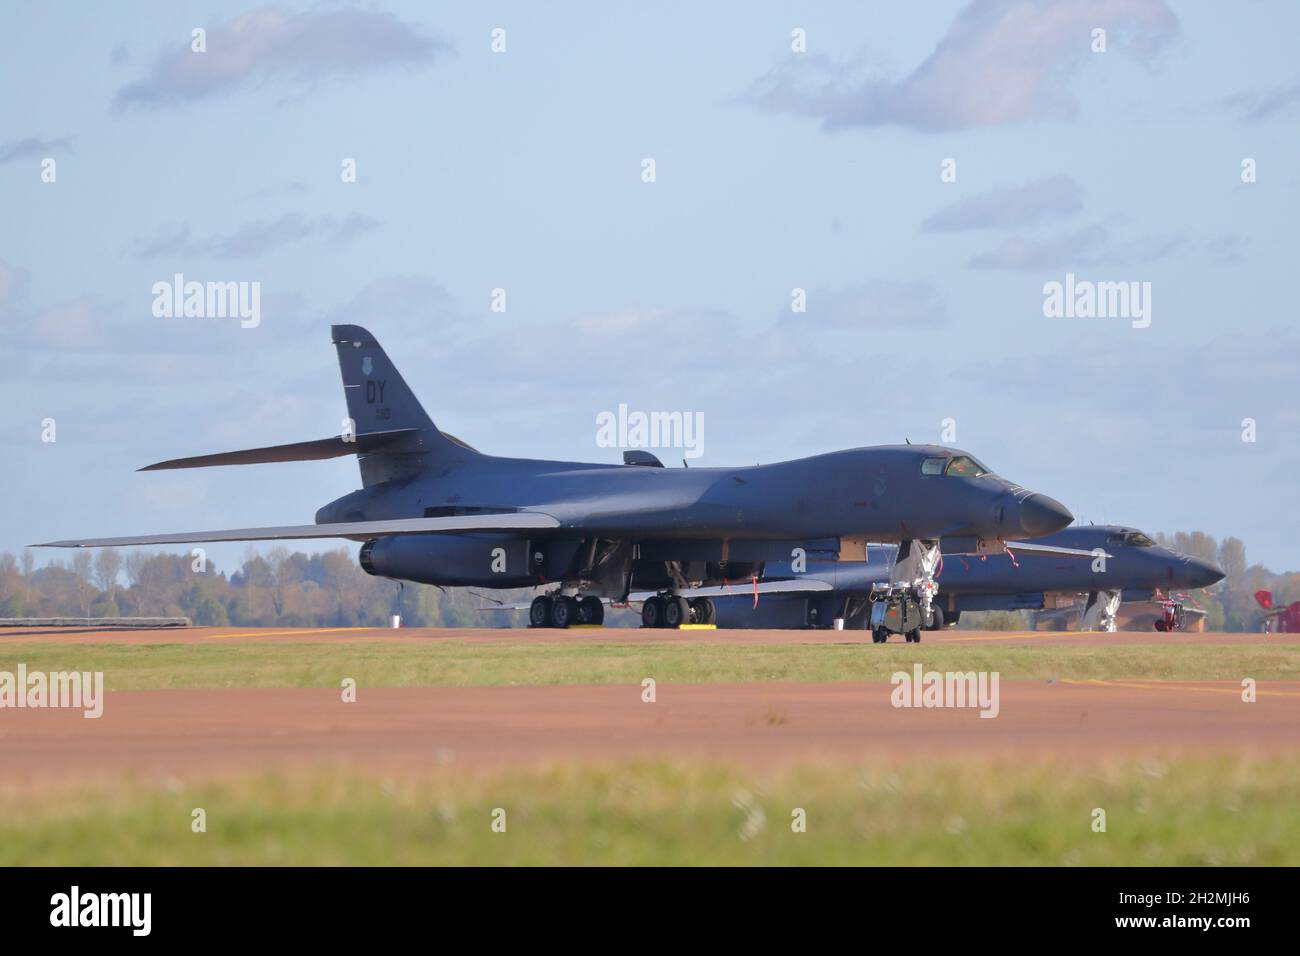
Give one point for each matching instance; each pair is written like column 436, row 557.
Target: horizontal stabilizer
column 322, row 448
column 356, row 530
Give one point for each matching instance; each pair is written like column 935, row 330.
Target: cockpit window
column 963, row 466
column 1130, row 539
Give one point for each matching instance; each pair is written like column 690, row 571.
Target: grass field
column 461, row 664
column 952, row 811
column 1203, row 812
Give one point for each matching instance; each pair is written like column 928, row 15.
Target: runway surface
column 205, row 732
column 579, row 636
column 200, row 733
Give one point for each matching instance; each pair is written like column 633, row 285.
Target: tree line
column 1230, row 605
column 279, row 588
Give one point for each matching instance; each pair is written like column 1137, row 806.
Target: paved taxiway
column 476, row 635
column 203, row 732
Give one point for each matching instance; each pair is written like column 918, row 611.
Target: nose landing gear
column 1100, row 613
column 896, row 609
column 905, row 605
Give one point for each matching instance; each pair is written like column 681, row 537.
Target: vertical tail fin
column 379, row 400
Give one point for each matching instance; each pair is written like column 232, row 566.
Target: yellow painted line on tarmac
column 1014, row 636
column 298, row 631
column 1261, row 688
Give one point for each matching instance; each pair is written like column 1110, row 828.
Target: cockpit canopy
column 963, row 466
column 1129, row 539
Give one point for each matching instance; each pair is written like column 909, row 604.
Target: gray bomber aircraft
column 432, row 509
column 1127, row 565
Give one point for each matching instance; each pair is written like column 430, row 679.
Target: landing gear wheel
column 539, row 615
column 913, row 636
column 936, row 618
column 677, row 611
column 879, row 636
column 703, row 611
column 591, row 610
column 564, row 611
column 652, row 612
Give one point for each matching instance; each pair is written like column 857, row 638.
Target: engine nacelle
column 452, row 560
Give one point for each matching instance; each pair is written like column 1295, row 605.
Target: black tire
column 702, row 611
column 936, row 618
column 539, row 615
column 914, row 636
column 591, row 610
column 564, row 611
column 710, row 611
column 879, row 636
column 652, row 612
column 677, row 611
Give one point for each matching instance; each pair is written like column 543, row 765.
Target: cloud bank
column 1001, row 61
column 267, row 46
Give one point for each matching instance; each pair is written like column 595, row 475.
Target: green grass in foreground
column 459, row 664
column 1200, row 812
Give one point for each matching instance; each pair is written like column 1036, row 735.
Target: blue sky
column 775, row 170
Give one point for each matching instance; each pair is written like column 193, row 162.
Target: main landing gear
column 561, row 610
column 665, row 610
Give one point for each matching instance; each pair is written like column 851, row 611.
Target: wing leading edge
column 356, row 530
column 1030, row 547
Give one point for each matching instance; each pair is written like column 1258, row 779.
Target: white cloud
column 33, row 146
column 1056, row 197
column 254, row 239
column 1089, row 246
column 1257, row 105
column 1002, row 61
column 268, row 45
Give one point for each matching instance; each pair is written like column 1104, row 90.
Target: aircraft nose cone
column 1040, row 515
column 1201, row 574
